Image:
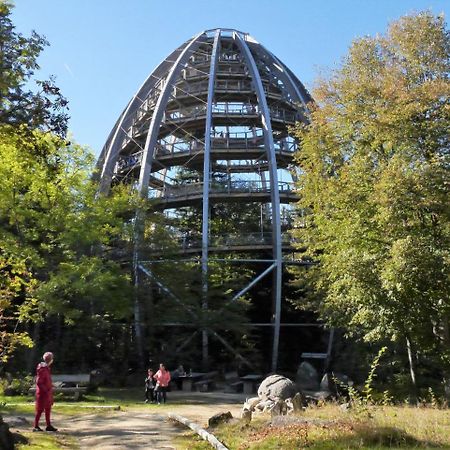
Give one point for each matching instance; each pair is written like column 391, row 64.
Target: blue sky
column 102, row 50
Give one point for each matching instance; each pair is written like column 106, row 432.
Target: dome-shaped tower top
column 228, row 46
column 211, row 126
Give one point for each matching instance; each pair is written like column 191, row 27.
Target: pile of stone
column 277, row 395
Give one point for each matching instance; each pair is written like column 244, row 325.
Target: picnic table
column 189, row 379
column 250, row 382
column 199, row 381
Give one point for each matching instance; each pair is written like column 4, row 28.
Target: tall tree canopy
column 56, row 236
column 44, row 108
column 375, row 185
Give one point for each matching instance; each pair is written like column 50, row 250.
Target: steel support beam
column 206, row 182
column 147, row 159
column 109, row 153
column 136, row 303
column 231, row 349
column 155, row 123
column 330, row 348
column 150, row 274
column 284, row 74
column 248, row 325
column 186, row 342
column 274, row 192
column 253, row 282
column 178, row 261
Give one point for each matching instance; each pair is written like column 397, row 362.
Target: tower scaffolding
column 221, row 103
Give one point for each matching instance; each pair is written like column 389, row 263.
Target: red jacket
column 44, row 386
column 162, row 377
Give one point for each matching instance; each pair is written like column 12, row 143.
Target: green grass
column 46, row 441
column 124, row 398
column 129, row 396
column 102, row 395
column 328, row 428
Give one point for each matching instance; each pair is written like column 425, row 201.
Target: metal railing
column 223, row 144
column 194, row 88
column 223, row 57
column 230, row 57
column 220, row 139
column 232, row 187
column 128, row 162
column 228, row 109
column 188, row 241
column 235, row 108
column 231, row 69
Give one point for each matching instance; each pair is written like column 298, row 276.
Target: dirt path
column 127, row 430
column 139, row 428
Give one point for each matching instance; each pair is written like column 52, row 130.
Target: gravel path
column 121, row 430
column 138, row 428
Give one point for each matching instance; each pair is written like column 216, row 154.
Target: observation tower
column 209, row 129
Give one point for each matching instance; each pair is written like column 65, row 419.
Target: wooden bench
column 207, row 382
column 189, row 380
column 76, row 384
column 201, row 381
column 235, row 387
column 204, row 385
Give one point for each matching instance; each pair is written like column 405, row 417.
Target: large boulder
column 219, row 418
column 276, row 387
column 307, row 377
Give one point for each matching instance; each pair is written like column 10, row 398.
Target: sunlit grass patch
column 47, row 441
column 100, row 402
column 330, row 428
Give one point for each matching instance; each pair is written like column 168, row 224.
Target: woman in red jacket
column 44, row 392
column 162, row 378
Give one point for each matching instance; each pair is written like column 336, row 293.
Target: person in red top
column 44, row 392
column 162, row 378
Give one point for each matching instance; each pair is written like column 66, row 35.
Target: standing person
column 150, row 386
column 162, row 378
column 44, row 392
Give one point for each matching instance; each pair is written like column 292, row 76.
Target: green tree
column 375, row 171
column 57, row 238
column 59, row 243
column 14, row 278
column 44, row 107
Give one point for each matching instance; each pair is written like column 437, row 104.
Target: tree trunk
column 412, row 370
column 137, row 307
column 442, row 332
column 446, row 383
column 446, row 370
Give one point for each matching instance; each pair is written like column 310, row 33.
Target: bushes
column 16, row 386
